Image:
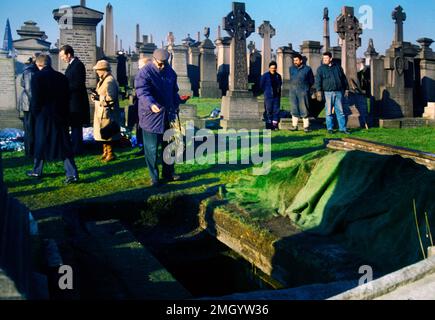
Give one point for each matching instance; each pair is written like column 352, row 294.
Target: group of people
column 330, row 84
column 55, row 104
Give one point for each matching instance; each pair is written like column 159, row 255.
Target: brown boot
column 104, row 156
column 110, row 155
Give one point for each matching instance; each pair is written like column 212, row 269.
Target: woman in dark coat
column 50, row 99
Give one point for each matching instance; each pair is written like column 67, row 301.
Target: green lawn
column 127, row 179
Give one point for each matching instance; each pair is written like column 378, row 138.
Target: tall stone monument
column 285, row 61
column 349, row 31
column 254, row 67
column 78, row 29
column 239, row 107
column 109, row 33
column 8, row 96
column 179, row 64
column 208, row 86
column 426, row 66
column 397, row 95
column 266, row 32
column 32, row 40
column 223, row 61
column 326, row 33
column 311, row 50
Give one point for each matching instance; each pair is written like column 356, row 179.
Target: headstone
column 285, row 61
column 326, row 34
column 8, row 99
column 240, row 109
column 266, row 32
column 370, row 52
column 254, row 66
column 109, row 33
column 311, row 50
column 223, row 62
column 32, row 40
column 102, row 37
column 146, row 48
column 193, row 65
column 397, row 94
column 426, row 65
column 79, row 31
column 209, row 87
column 349, row 30
column 179, row 64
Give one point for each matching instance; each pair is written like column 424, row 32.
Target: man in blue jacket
column 331, row 80
column 270, row 84
column 157, row 93
column 301, row 81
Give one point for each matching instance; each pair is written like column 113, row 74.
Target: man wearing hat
column 106, row 107
column 157, row 92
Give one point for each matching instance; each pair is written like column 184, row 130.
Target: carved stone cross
column 266, row 31
column 239, row 26
column 399, row 16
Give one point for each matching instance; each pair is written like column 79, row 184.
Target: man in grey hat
column 158, row 103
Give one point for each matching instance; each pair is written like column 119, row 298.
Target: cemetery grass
column 127, row 178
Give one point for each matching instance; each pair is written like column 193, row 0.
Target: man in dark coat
column 79, row 103
column 49, row 107
column 157, row 92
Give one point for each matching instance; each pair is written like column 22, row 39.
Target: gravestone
column 8, row 96
column 285, row 61
column 255, row 73
column 146, row 48
column 209, row 87
column 193, row 63
column 239, row 108
column 266, row 32
column 223, row 50
column 32, row 40
column 429, row 111
column 349, row 31
column 109, row 33
column 78, row 29
column 326, row 33
column 425, row 64
column 397, row 94
column 179, row 64
column 311, row 50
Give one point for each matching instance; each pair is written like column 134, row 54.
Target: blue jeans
column 151, row 142
column 299, row 103
column 334, row 101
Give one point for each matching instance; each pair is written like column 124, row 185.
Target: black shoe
column 32, row 174
column 330, row 131
column 71, row 180
column 308, row 130
column 345, row 132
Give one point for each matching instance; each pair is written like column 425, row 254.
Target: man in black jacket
column 79, row 102
column 49, row 107
column 331, row 80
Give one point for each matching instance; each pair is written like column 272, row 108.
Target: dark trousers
column 77, row 139
column 272, row 107
column 69, row 165
column 29, row 133
column 139, row 135
column 151, row 143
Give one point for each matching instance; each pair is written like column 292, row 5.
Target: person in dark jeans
column 331, row 80
column 79, row 110
column 301, row 81
column 157, row 92
column 270, row 84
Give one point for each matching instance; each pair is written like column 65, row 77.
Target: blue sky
column 294, row 21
